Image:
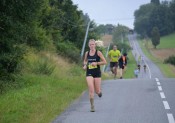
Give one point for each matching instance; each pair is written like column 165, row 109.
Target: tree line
column 155, row 15
column 154, row 20
column 40, row 24
column 119, row 35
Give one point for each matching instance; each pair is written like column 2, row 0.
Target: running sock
column 92, row 104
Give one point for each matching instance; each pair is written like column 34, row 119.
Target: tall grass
column 42, row 96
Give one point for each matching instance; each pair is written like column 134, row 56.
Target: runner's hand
column 84, row 67
column 94, row 63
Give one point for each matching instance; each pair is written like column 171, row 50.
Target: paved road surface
column 141, row 100
column 152, row 71
column 125, row 101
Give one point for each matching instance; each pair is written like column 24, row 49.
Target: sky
column 111, row 11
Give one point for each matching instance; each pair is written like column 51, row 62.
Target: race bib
column 91, row 67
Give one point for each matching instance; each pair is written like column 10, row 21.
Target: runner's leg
column 97, row 85
column 90, row 83
column 115, row 71
column 115, row 68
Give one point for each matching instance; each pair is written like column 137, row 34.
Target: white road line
column 170, row 118
column 148, row 70
column 162, row 95
column 158, row 83
column 166, row 105
column 160, row 88
column 156, row 79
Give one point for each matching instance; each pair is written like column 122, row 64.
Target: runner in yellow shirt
column 114, row 55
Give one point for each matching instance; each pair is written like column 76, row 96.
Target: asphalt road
column 147, row 99
column 126, row 101
column 152, row 70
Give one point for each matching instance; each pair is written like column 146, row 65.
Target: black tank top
column 94, row 58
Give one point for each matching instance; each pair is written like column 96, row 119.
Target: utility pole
column 122, row 42
column 106, row 56
column 85, row 38
column 122, row 37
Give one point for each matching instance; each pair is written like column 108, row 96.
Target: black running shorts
column 113, row 64
column 94, row 73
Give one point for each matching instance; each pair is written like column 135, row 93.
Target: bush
column 38, row 63
column 170, row 60
column 43, row 66
column 68, row 50
column 9, row 62
column 33, row 64
column 6, row 85
column 102, row 49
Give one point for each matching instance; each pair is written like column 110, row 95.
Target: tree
column 101, row 29
column 119, row 33
column 109, row 28
column 157, row 2
column 161, row 18
column 105, row 29
column 151, row 15
column 142, row 19
column 155, row 36
column 172, row 11
column 19, row 25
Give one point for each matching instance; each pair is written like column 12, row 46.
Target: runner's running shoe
column 100, row 94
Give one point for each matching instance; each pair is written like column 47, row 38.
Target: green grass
column 41, row 102
column 165, row 68
column 42, row 97
column 167, row 41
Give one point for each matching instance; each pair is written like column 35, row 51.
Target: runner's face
column 92, row 45
column 114, row 48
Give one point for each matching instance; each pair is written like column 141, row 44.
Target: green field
column 167, row 41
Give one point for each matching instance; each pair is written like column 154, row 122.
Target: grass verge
column 42, row 97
